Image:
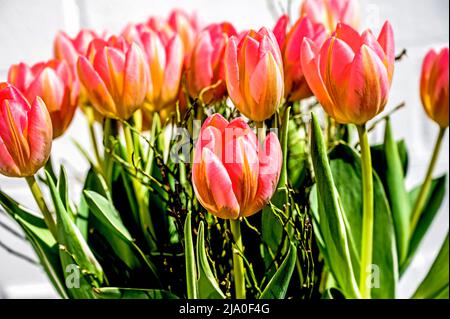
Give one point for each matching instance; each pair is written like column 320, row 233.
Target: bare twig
column 401, row 55
column 384, row 117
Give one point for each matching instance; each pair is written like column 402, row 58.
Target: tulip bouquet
column 233, row 164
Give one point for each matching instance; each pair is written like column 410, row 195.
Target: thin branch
column 401, row 55
column 384, row 117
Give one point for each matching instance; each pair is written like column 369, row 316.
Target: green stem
column 92, row 135
column 367, row 227
column 238, row 262
column 260, row 131
column 425, row 189
column 40, row 201
column 144, row 214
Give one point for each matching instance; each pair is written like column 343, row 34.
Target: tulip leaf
column 435, row 284
column 345, row 165
column 333, row 293
column 41, row 239
column 132, row 293
column 74, row 247
column 279, row 283
column 191, row 270
column 332, row 224
column 431, row 208
column 379, row 159
column 63, row 188
column 208, row 288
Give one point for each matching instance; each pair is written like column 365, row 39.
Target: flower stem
column 368, row 215
column 238, row 262
column 92, row 135
column 425, row 189
column 260, row 131
column 144, row 214
column 40, row 201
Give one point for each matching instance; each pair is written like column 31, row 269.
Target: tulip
column 434, row 89
column 331, row 12
column 254, row 74
column 296, row 87
column 186, row 26
column 351, row 74
column 115, row 76
column 233, row 175
column 164, row 54
column 54, row 83
column 205, row 74
column 25, row 133
column 68, row 49
column 434, row 86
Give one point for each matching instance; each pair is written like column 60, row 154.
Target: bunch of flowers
column 218, row 174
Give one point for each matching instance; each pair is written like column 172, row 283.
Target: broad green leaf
column 332, row 224
column 207, row 285
column 435, row 284
column 431, row 208
column 131, row 293
column 346, row 168
column 41, row 239
column 378, row 157
column 394, row 184
column 104, row 210
column 279, row 283
column 191, row 270
column 74, row 247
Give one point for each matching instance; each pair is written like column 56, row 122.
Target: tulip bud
column 233, row 175
column 25, row 133
column 434, row 86
column 115, row 76
column 331, row 12
column 205, row 74
column 53, row 82
column 254, row 74
column 295, row 85
column 351, row 74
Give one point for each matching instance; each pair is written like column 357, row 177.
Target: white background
column 27, row 28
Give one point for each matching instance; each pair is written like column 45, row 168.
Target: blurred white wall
column 27, row 28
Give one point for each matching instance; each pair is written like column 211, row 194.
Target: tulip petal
column 216, row 120
column 270, row 161
column 280, row 29
column 49, row 87
column 110, row 65
column 7, row 165
column 218, row 181
column 349, row 36
column 232, row 72
column 64, row 49
column 368, row 87
column 96, row 89
column 173, row 69
column 386, row 40
column 39, row 134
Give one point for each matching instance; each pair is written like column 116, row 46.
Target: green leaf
column 207, row 286
column 435, row 284
column 332, row 224
column 41, row 239
column 394, row 184
column 430, row 210
column 104, row 210
column 75, row 249
column 333, row 293
column 191, row 271
column 131, row 293
column 279, row 283
column 345, row 165
column 379, row 160
column 63, row 188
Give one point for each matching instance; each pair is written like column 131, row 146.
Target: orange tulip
column 296, row 87
column 164, row 54
column 351, row 74
column 115, row 76
column 53, row 82
column 25, row 133
column 331, row 12
column 434, row 86
column 233, row 174
column 205, row 74
column 254, row 74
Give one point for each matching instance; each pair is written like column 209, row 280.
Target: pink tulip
column 331, row 12
column 25, row 133
column 254, row 73
column 296, row 87
column 164, row 55
column 69, row 49
column 233, row 175
column 351, row 74
column 53, row 82
column 206, row 74
column 186, row 26
column 115, row 76
column 434, row 86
